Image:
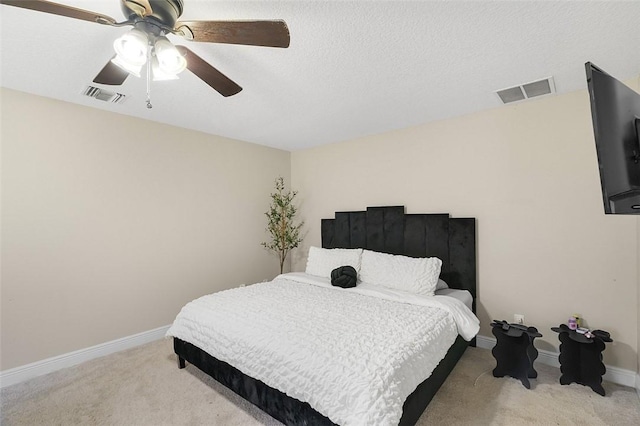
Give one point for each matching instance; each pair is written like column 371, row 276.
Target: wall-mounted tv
column 615, row 111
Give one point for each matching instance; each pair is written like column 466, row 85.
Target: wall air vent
column 104, row 95
column 527, row 91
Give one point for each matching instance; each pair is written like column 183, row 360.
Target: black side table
column 581, row 357
column 514, row 351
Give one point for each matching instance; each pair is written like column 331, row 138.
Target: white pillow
column 410, row 274
column 441, row 285
column 321, row 261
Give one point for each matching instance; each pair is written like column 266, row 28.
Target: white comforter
column 353, row 354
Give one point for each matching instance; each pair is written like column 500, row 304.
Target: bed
column 380, row 230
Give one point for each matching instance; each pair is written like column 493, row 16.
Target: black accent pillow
column 344, row 276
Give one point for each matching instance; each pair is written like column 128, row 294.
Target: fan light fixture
column 152, row 20
column 132, row 50
column 169, row 59
column 158, row 73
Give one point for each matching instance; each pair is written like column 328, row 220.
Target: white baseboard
column 49, row 365
column 616, row 375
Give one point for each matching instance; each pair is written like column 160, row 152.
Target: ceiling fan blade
column 253, row 33
column 111, row 74
column 61, row 10
column 207, row 73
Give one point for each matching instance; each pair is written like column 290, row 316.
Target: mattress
column 353, row 354
column 462, row 295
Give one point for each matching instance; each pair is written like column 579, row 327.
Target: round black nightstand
column 514, row 351
column 581, row 357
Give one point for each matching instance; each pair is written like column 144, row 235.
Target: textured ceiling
column 354, row 68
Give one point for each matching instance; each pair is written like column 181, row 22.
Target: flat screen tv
column 615, row 111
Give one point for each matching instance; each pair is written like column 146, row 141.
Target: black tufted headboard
column 391, row 230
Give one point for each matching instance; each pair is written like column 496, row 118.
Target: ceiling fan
column 146, row 42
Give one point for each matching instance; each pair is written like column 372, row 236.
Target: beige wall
column 105, row 237
column 529, row 174
column 110, row 224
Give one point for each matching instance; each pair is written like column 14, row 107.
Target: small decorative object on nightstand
column 581, row 356
column 514, row 351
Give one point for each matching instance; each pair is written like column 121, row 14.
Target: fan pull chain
column 149, row 78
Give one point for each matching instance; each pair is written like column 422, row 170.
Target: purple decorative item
column 578, row 322
column 572, row 323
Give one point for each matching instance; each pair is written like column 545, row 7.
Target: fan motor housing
column 165, row 11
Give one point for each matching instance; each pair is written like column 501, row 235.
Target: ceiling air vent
column 104, row 95
column 527, row 91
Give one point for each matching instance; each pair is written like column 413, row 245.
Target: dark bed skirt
column 291, row 411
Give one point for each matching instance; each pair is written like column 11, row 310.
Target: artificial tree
column 285, row 234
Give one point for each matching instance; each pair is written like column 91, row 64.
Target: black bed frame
column 387, row 230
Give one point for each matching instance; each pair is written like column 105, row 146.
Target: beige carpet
column 144, row 386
